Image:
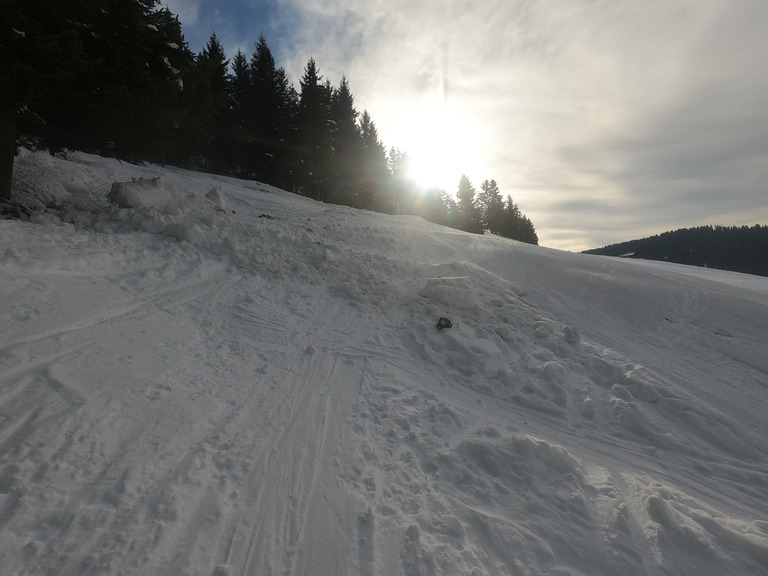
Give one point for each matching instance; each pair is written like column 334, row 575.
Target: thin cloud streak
column 605, row 120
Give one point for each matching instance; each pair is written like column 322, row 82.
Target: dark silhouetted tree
column 345, row 144
column 313, row 134
column 373, row 190
column 235, row 137
column 491, row 205
column 270, row 111
column 205, row 105
column 94, row 75
column 403, row 192
column 516, row 225
column 468, row 214
column 214, row 65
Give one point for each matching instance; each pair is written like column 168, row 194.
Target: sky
column 604, row 120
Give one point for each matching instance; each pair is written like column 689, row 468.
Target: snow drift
column 253, row 383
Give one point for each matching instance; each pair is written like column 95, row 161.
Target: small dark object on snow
column 443, row 323
column 268, row 217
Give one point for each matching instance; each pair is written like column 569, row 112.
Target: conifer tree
column 234, row 123
column 206, row 103
column 468, row 216
column 510, row 227
column 402, row 188
column 373, row 192
column 345, row 142
column 528, row 232
column 516, row 225
column 491, row 205
column 239, row 82
column 134, row 88
column 437, row 206
column 313, row 132
column 265, row 110
column 41, row 53
column 94, row 75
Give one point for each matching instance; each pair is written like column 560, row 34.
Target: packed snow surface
column 207, row 376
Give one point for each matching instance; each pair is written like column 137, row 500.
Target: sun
column 442, row 144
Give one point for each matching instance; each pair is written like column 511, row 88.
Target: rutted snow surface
column 254, row 384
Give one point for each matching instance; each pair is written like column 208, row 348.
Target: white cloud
column 188, row 11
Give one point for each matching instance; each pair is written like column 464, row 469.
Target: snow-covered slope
column 254, row 384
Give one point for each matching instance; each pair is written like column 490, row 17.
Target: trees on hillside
column 116, row 77
column 487, row 211
column 516, row 225
column 100, row 76
column 203, row 104
column 736, row 248
column 269, row 113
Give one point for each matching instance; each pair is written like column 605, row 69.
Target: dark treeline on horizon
column 737, row 249
column 117, row 78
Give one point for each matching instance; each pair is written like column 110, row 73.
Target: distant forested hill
column 739, row 249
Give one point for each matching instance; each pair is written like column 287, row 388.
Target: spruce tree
column 239, row 82
column 402, row 188
column 510, row 225
column 206, row 103
column 345, row 142
column 373, row 192
column 101, row 76
column 313, row 132
column 236, row 119
column 491, row 206
column 436, row 206
column 132, row 103
column 528, row 232
column 515, row 225
column 262, row 110
column 469, row 216
column 43, row 58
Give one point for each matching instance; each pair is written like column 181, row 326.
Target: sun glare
column 442, row 144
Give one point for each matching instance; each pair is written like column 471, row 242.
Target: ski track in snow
column 262, row 390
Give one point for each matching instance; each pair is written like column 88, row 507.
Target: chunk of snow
column 217, row 196
column 144, row 193
column 45, row 218
column 454, row 292
column 571, row 335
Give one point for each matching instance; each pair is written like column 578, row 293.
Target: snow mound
column 144, row 193
column 160, row 193
column 453, row 292
column 217, row 196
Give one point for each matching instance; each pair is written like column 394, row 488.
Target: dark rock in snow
column 443, row 323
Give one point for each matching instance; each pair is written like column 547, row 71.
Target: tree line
column 117, row 78
column 735, row 248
